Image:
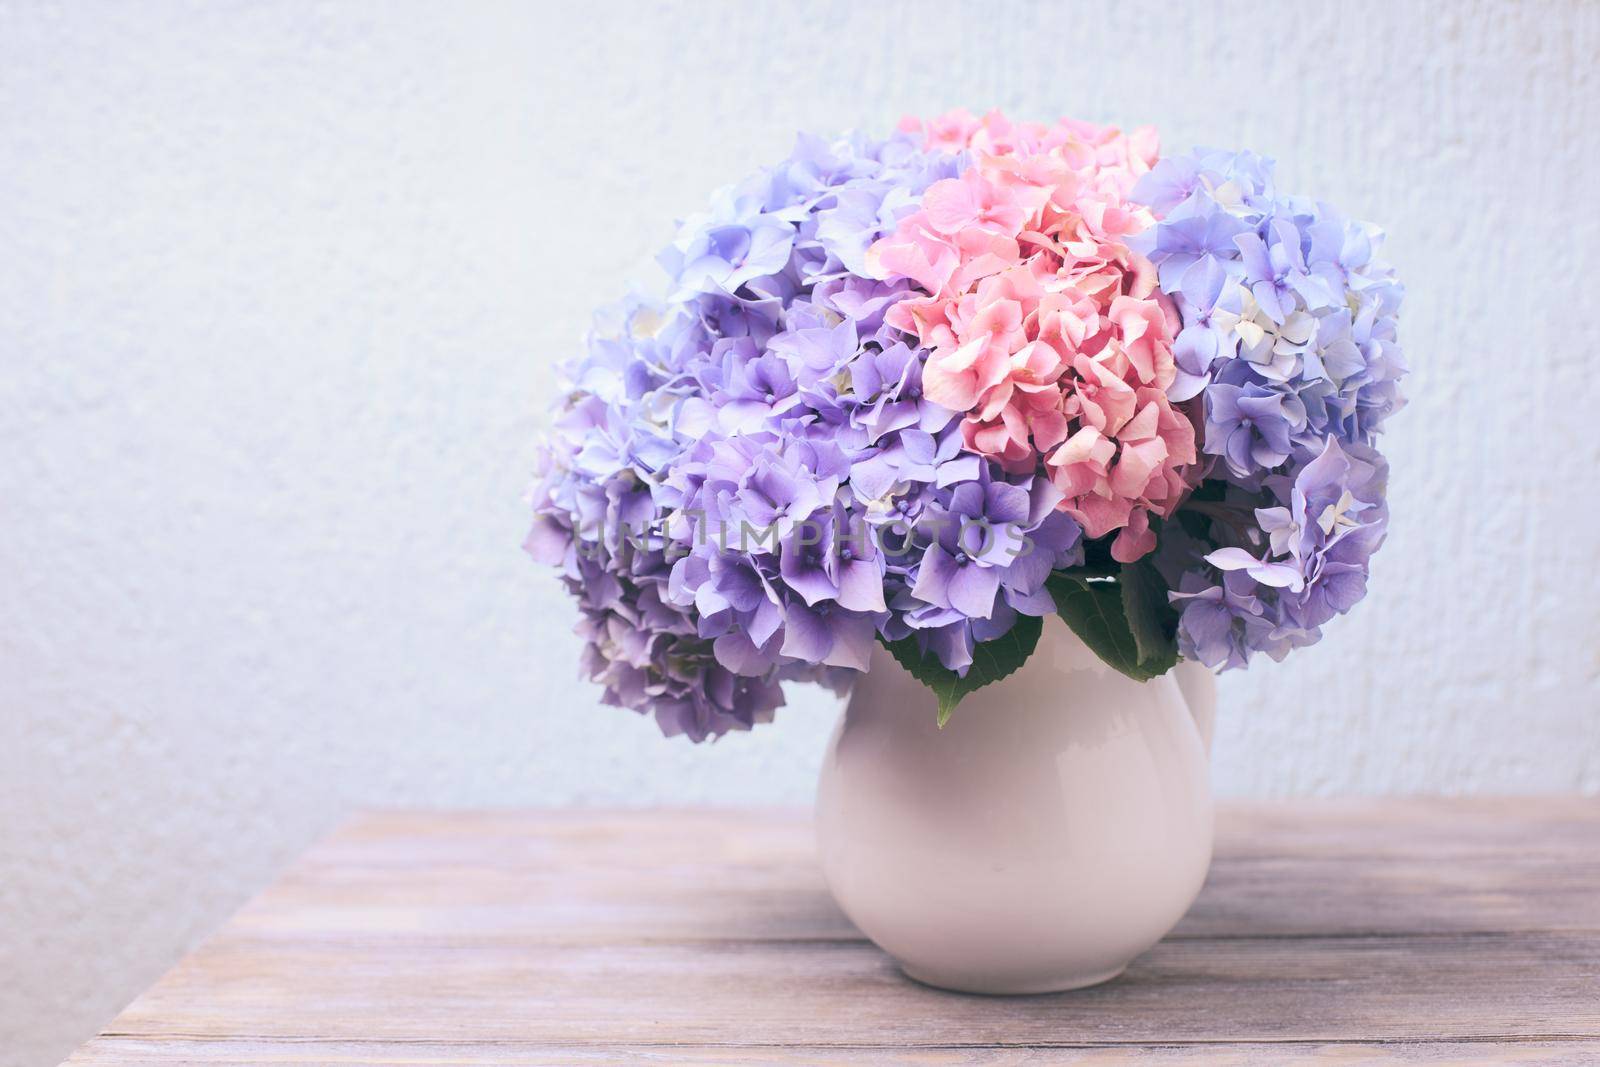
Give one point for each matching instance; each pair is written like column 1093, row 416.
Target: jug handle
column 1199, row 688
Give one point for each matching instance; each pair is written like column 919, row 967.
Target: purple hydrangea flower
column 769, row 432
column 1289, row 340
column 745, row 486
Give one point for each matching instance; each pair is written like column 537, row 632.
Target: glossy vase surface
column 1059, row 825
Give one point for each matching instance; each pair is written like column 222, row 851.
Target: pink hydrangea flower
column 1043, row 327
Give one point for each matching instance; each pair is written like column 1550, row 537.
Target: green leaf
column 1098, row 562
column 991, row 661
column 1124, row 622
column 1093, row 609
column 1151, row 619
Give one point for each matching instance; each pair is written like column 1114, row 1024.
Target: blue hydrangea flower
column 1288, row 341
column 745, row 485
column 768, row 431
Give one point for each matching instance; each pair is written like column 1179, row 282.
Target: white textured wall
column 280, row 291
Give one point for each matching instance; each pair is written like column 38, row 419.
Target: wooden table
column 1338, row 933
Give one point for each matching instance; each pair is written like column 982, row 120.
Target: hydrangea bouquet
column 927, row 390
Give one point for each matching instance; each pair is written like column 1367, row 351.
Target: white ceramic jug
column 1058, row 826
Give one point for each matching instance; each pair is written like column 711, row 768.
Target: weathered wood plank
column 1351, row 932
column 793, row 992
column 106, row 1052
column 1302, row 869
